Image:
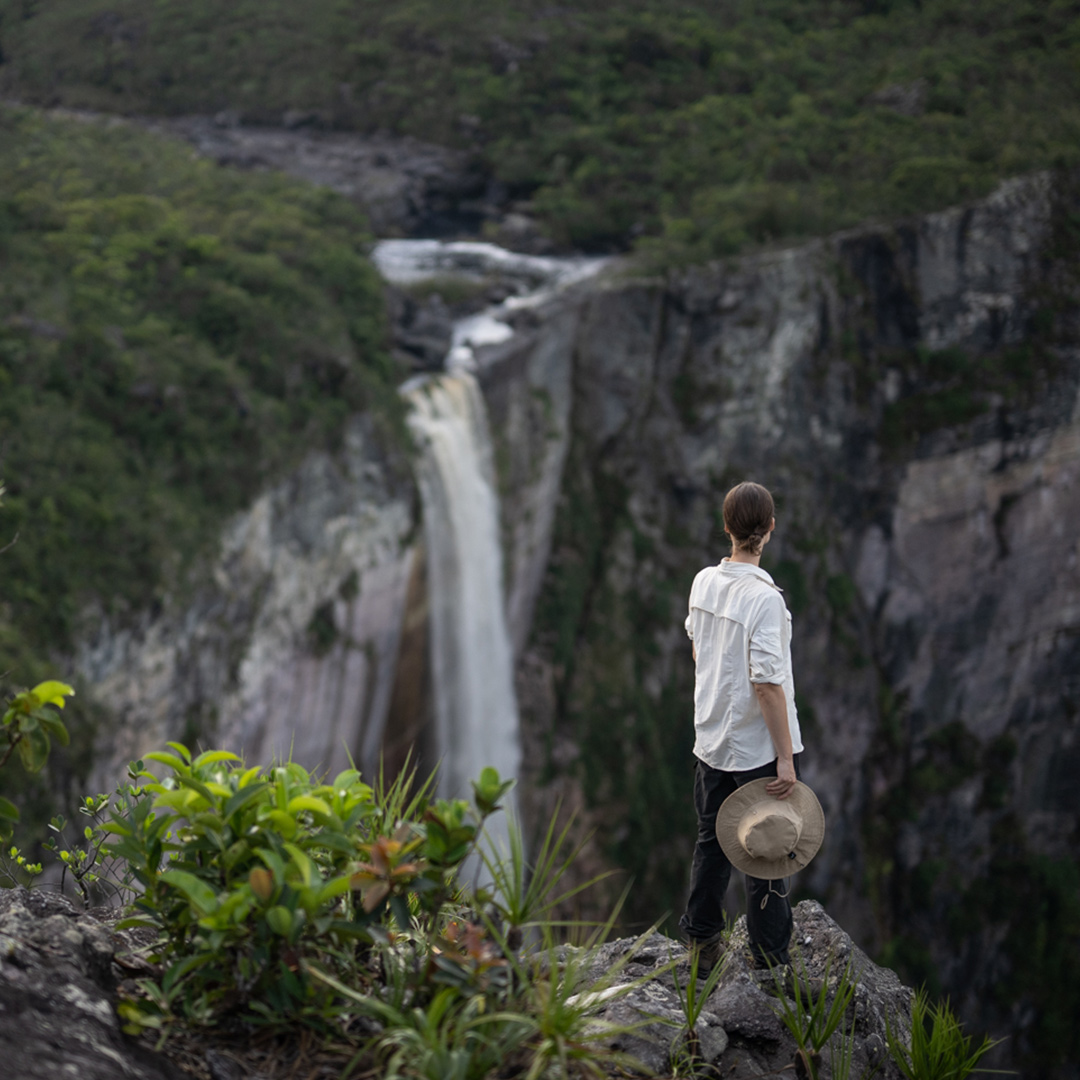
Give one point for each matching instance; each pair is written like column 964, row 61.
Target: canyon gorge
column 908, row 391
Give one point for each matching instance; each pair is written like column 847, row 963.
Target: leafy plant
column 29, row 726
column 938, row 1049
column 562, row 994
column 17, row 869
column 279, row 898
column 254, row 878
column 450, row 1036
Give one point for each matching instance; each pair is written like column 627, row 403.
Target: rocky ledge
column 60, row 969
column 740, row 1032
column 58, row 978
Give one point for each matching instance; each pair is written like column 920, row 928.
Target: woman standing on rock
column 745, row 723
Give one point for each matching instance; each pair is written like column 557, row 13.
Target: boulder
column 58, row 979
column 740, row 1031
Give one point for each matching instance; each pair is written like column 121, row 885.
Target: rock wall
column 289, row 645
column 909, row 393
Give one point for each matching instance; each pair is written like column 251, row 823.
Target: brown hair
column 748, row 515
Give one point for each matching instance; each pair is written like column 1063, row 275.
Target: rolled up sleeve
column 766, row 644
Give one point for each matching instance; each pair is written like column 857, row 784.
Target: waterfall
column 476, row 713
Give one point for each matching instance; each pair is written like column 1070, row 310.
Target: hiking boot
column 709, row 953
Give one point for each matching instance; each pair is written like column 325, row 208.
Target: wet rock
column 422, row 329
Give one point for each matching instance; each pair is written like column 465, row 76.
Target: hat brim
column 802, row 799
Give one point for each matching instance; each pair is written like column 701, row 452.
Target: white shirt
column 741, row 630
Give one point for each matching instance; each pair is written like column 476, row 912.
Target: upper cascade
column 531, row 279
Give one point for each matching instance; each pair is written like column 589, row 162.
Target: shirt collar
column 747, row 569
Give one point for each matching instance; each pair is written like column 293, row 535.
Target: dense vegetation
column 171, row 336
column 703, row 127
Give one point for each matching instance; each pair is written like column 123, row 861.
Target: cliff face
column 289, row 642
column 910, row 396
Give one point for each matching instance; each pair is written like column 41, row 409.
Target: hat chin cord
column 773, row 892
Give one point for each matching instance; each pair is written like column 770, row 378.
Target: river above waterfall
column 531, row 280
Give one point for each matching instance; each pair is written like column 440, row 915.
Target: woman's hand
column 785, row 780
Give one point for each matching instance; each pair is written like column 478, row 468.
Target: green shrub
column 277, row 899
column 249, row 876
column 173, row 337
column 30, row 725
column 700, row 128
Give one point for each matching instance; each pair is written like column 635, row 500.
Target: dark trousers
column 768, row 912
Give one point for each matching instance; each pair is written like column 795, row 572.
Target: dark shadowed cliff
column 910, row 395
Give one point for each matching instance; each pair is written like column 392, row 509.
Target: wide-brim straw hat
column 767, row 837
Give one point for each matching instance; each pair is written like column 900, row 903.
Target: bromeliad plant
column 253, row 878
column 815, row 1016
column 937, row 1048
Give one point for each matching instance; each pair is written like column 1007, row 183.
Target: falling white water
column 476, row 713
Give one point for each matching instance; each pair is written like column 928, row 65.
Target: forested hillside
column 172, row 336
column 691, row 129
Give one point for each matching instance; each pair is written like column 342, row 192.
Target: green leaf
column 334, row 888
column 489, row 789
column 199, row 894
column 178, row 970
column 8, row 810
column 182, row 750
column 280, row 920
column 211, row 757
column 401, row 913
column 34, row 749
column 197, row 785
column 282, row 822
column 345, row 780
column 55, row 727
column 136, row 922
column 52, row 693
column 249, row 775
column 245, row 795
column 117, row 828
column 167, row 759
column 309, row 802
column 309, row 875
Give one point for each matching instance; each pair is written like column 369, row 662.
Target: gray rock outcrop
column 406, row 187
column 740, row 1032
column 58, row 979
